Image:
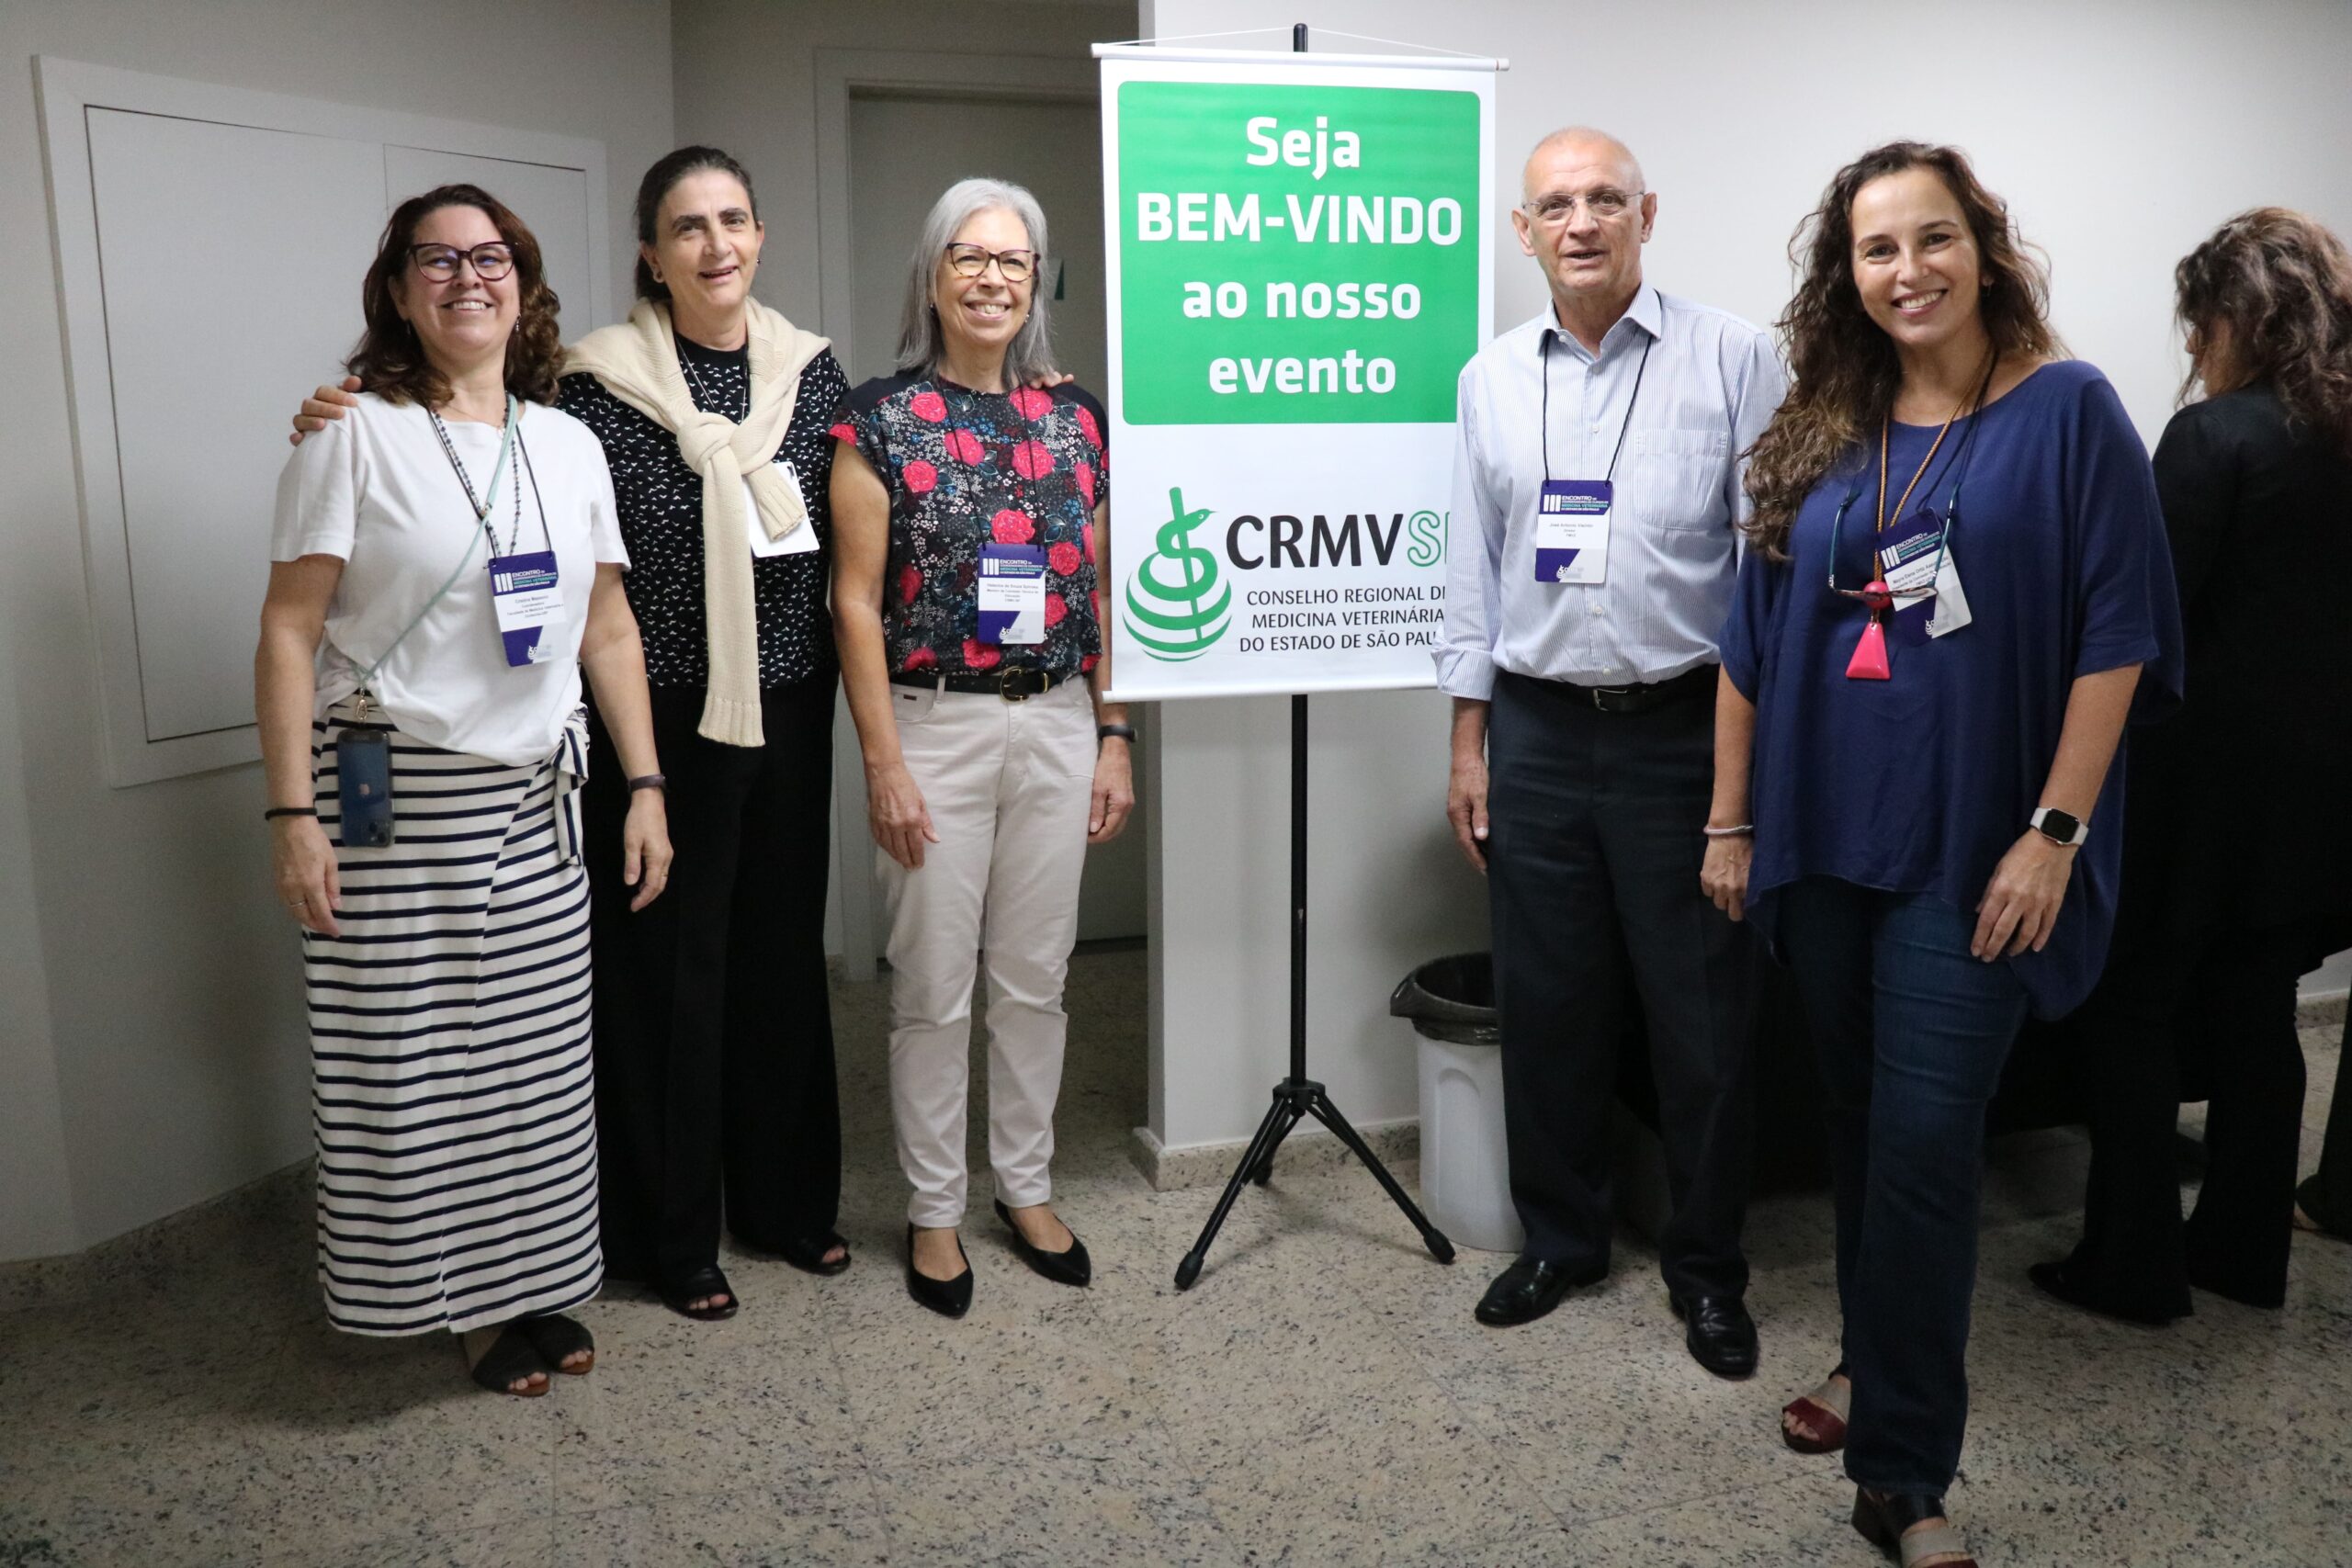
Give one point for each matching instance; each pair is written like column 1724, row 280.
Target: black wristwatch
column 1126, row 732
column 2061, row 827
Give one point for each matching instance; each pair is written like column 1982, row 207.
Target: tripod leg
column 1432, row 1237
column 1261, row 1149
column 1264, row 1171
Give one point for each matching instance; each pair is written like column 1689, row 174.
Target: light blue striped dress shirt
column 1711, row 384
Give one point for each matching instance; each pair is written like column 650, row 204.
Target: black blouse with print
column 659, row 501
column 965, row 468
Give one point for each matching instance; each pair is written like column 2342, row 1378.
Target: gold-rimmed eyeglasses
column 970, row 260
column 491, row 262
column 1557, row 207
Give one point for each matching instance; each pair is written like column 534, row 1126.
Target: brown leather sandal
column 1824, row 1411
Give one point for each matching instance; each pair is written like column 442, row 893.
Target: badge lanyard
column 1010, row 586
column 1572, row 516
column 526, row 590
column 1869, row 658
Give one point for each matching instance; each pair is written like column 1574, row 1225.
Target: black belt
column 1641, row 699
column 1016, row 685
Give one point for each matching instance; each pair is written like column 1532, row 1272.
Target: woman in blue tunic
column 1955, row 589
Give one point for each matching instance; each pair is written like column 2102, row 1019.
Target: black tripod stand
column 1297, row 1096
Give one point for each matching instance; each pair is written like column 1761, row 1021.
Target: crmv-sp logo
column 1176, row 607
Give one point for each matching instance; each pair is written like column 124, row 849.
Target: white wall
column 2121, row 132
column 152, row 1037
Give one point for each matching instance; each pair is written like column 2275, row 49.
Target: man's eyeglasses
column 970, row 260
column 439, row 263
column 1556, row 209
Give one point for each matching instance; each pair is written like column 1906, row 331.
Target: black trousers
column 1593, row 855
column 2235, row 999
column 715, row 1083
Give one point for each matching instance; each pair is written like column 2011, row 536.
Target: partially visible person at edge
column 1955, row 589
column 1583, row 673
column 2237, row 864
column 446, row 961
column 716, row 1094
column 971, row 508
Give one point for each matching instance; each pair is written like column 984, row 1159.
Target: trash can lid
column 1451, row 999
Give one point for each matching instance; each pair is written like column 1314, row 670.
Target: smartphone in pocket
column 364, row 781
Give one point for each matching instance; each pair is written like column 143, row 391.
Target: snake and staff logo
column 1176, row 608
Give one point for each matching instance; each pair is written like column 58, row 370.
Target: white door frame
column 842, row 74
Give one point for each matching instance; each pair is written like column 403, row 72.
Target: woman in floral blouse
column 968, row 516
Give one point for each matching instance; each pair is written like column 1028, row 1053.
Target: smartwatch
column 2062, row 828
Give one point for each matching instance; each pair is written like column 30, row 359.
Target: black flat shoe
column 1882, row 1517
column 2057, row 1279
column 557, row 1339
column 1720, row 1334
column 1525, row 1291
column 1067, row 1268
column 949, row 1298
column 705, row 1282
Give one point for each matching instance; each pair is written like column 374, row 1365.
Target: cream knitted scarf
column 638, row 363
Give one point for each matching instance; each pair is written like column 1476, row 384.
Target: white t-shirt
column 376, row 489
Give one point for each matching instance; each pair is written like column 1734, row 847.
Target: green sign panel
column 1296, row 254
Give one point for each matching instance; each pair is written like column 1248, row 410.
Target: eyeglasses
column 1901, row 562
column 491, row 262
column 1556, row 209
column 970, row 260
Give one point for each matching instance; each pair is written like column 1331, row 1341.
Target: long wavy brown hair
column 391, row 362
column 1842, row 369
column 2271, row 291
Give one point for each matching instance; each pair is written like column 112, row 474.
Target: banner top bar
column 1147, row 51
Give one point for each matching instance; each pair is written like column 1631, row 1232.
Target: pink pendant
column 1869, row 663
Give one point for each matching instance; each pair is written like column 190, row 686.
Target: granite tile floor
column 1321, row 1397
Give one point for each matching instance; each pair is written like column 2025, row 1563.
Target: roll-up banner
column 1301, row 263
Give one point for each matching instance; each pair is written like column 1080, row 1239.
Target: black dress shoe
column 1525, row 1291
column 949, row 1298
column 1070, row 1266
column 2061, row 1279
column 1721, row 1335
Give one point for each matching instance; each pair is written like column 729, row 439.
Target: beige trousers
column 1007, row 786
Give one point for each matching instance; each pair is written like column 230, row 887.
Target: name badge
column 1915, row 553
column 524, row 590
column 800, row 541
column 1572, row 531
column 1013, row 593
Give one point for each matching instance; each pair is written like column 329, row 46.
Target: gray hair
column 1028, row 357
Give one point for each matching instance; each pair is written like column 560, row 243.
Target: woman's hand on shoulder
column 325, row 403
column 1047, row 381
column 2020, row 904
column 645, row 847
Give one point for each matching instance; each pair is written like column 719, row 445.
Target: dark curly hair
column 658, row 180
column 2277, row 288
column 1842, row 369
column 391, row 362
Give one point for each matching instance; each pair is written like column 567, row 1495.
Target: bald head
column 1581, row 146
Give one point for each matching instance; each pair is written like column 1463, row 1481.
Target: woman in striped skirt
column 445, row 564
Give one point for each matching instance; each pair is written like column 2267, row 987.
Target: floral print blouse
column 965, row 468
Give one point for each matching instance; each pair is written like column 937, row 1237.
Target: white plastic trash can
column 1465, row 1166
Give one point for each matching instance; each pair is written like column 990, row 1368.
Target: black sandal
column 1883, row 1518
column 807, row 1253
column 511, row 1358
column 555, row 1338
column 703, row 1282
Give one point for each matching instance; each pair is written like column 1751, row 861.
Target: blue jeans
column 1910, row 1032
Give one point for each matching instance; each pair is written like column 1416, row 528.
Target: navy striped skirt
column 453, row 1096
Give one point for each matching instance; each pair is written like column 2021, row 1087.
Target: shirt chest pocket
column 1676, row 479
